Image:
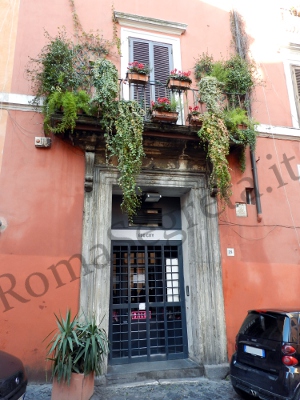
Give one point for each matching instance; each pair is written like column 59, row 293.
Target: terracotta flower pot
column 194, row 120
column 134, row 77
column 177, row 84
column 81, row 388
column 164, row 116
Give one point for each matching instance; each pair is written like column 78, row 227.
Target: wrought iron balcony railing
column 146, row 92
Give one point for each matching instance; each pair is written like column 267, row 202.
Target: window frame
column 296, row 88
column 127, row 33
column 292, row 60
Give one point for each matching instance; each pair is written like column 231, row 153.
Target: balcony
column 89, row 133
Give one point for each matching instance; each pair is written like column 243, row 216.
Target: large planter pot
column 177, row 84
column 164, row 116
column 134, row 77
column 81, row 388
column 194, row 120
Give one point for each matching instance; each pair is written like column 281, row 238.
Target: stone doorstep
column 159, row 371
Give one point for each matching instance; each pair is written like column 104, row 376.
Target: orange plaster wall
column 29, row 297
column 198, row 38
column 8, row 31
column 265, row 269
column 41, row 204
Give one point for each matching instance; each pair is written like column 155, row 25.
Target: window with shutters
column 159, row 56
column 161, row 52
column 296, row 85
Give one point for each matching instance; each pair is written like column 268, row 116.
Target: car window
column 263, row 326
column 294, row 330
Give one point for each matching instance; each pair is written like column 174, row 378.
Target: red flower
column 194, row 110
column 138, row 67
column 180, row 75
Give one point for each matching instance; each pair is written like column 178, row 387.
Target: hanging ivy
column 127, row 145
column 124, row 125
column 216, row 137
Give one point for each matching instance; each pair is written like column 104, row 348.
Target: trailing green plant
column 127, row 145
column 70, row 103
column 106, row 83
column 77, row 346
column 216, row 137
column 124, row 126
column 116, row 40
column 209, row 89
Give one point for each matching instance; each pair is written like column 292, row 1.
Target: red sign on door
column 140, row 314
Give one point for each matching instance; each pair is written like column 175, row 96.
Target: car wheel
column 244, row 395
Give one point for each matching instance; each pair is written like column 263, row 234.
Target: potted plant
column 164, row 110
column 70, row 103
column 236, row 76
column 76, row 351
column 137, row 73
column 194, row 116
column 179, row 80
column 203, row 66
column 65, row 64
column 242, row 131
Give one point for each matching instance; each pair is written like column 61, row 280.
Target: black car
column 13, row 381
column 266, row 363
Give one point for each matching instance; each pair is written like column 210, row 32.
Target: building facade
column 176, row 281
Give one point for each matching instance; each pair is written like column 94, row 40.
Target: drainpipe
column 256, row 187
column 252, row 152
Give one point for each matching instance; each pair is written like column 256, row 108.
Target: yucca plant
column 78, row 346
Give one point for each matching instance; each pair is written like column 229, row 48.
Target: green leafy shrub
column 203, row 66
column 69, row 103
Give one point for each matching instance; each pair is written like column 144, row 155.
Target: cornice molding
column 22, row 102
column 153, row 24
column 278, row 132
column 19, row 102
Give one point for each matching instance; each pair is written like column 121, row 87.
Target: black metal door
column 147, row 318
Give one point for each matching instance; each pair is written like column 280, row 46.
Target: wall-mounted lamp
column 152, row 197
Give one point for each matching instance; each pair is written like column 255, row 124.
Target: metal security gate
column 147, row 318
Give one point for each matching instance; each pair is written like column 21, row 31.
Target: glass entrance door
column 147, row 318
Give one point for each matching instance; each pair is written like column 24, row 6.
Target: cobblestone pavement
column 187, row 389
